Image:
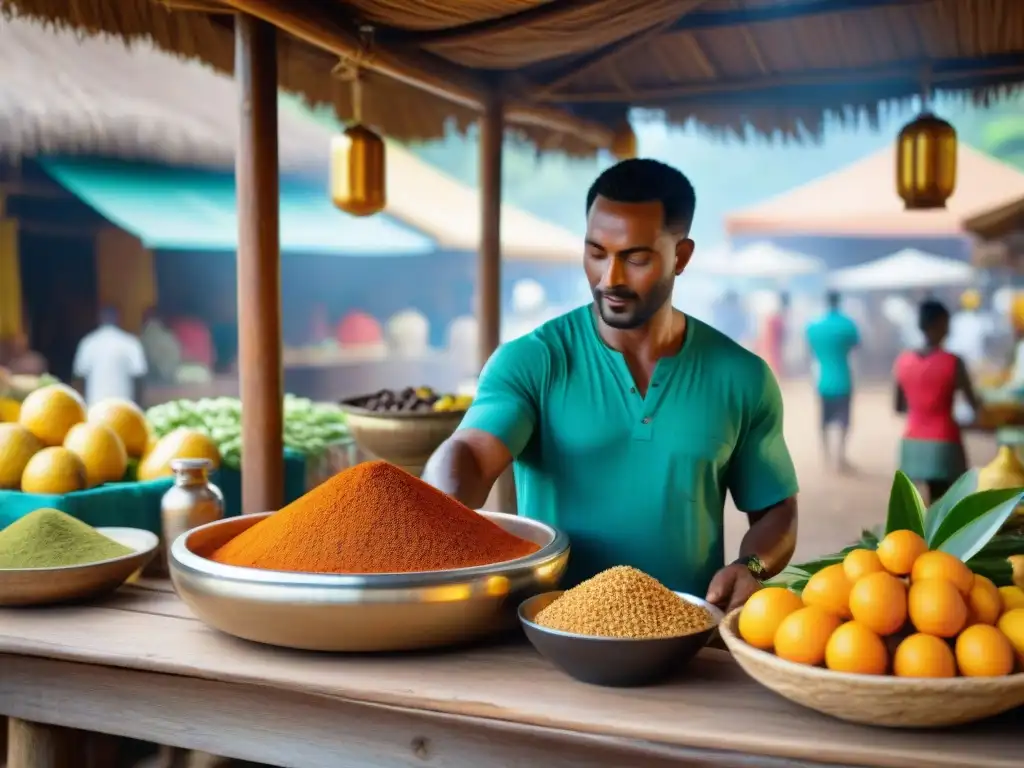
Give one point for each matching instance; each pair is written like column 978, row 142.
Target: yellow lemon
column 50, row 412
column 53, row 471
column 100, row 450
column 1011, row 624
column 17, row 446
column 1012, row 597
column 179, row 444
column 126, row 419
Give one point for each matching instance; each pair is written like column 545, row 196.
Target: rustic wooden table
column 138, row 665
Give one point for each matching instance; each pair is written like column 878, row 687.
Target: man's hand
column 731, row 586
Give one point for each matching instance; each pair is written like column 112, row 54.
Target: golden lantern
column 624, row 142
column 358, row 173
column 926, row 163
column 358, row 180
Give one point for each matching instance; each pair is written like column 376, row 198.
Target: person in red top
column 927, row 380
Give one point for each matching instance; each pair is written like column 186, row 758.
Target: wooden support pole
column 492, row 132
column 34, row 745
column 261, row 376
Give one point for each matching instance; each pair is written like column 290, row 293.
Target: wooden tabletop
column 713, row 707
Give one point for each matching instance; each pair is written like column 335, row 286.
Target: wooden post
column 34, row 745
column 492, row 134
column 259, row 267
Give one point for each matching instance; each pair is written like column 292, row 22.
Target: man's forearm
column 772, row 536
column 454, row 469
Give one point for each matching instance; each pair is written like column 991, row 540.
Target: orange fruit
column 983, row 651
column 899, row 550
column 923, row 656
column 763, row 612
column 829, row 589
column 855, row 648
column 879, row 602
column 942, row 565
column 984, row 605
column 803, row 635
column 1011, row 624
column 860, row 562
column 1012, row 598
column 936, row 607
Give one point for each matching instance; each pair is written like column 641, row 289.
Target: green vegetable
column 309, row 428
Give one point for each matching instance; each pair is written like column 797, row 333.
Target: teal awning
column 186, row 209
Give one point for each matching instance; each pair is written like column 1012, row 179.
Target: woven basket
column 896, row 702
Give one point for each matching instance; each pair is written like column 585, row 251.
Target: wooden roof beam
column 699, row 20
column 475, row 31
column 957, row 73
column 318, row 24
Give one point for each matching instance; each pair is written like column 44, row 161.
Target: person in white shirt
column 110, row 360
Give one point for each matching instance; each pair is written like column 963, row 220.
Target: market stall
column 183, row 685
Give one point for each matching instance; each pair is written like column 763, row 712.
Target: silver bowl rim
column 183, row 559
column 153, row 541
column 352, row 409
column 717, row 616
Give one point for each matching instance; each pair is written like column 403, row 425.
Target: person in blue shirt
column 832, row 338
column 629, row 421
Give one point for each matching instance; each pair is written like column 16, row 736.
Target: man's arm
column 497, row 426
column 762, row 481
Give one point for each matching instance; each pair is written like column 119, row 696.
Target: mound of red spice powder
column 373, row 518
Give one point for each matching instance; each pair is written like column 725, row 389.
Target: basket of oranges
column 903, row 635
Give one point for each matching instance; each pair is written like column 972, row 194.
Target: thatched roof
column 63, row 96
column 775, row 64
column 860, row 200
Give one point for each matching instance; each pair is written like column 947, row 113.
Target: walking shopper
column 927, row 380
column 832, row 338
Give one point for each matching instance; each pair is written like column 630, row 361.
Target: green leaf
column 975, row 520
column 998, row 569
column 1002, row 546
column 813, row 566
column 798, row 586
column 906, row 509
column 939, row 511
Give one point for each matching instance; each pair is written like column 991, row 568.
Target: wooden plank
column 304, row 731
column 714, row 704
column 41, row 745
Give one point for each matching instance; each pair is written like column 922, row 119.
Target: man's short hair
column 648, row 181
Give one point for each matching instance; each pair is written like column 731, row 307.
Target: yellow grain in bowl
column 626, row 603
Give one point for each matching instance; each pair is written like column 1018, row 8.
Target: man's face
column 631, row 261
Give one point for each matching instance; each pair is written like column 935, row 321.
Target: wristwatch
column 754, row 565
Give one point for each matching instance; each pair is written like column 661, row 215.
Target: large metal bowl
column 406, row 439
column 366, row 612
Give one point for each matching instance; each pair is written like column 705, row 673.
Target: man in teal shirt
column 832, row 338
column 627, row 420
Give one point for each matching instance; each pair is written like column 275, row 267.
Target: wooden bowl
column 70, row 583
column 406, row 439
column 895, row 702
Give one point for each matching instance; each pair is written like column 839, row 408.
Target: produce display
column 373, row 518
column 48, row 538
column 921, row 601
column 411, row 400
column 309, row 428
column 57, row 446
column 626, row 603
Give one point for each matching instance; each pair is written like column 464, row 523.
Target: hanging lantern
column 358, row 177
column 624, row 142
column 358, row 181
column 926, row 163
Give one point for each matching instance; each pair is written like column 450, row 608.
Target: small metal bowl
column 406, row 439
column 69, row 583
column 362, row 612
column 612, row 661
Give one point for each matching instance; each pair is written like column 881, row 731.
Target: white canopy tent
column 904, row 270
column 760, row 260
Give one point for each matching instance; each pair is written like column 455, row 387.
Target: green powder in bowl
column 48, row 538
